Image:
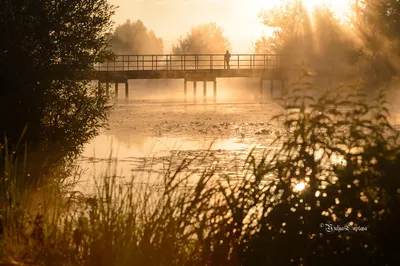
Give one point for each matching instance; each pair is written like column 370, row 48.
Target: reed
column 338, row 165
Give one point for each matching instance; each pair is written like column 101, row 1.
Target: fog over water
column 156, row 123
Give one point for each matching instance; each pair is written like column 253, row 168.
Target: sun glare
column 300, row 186
column 311, row 3
column 339, row 7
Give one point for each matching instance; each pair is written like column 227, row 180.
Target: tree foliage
column 47, row 53
column 291, row 25
column 376, row 23
column 369, row 44
column 203, row 39
column 315, row 36
column 135, row 38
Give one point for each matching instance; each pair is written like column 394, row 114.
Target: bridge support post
column 261, row 88
column 215, row 90
column 272, row 88
column 126, row 89
column 205, row 90
column 116, row 89
column 194, row 89
column 185, row 88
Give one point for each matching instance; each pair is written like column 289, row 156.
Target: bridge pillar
column 116, row 89
column 204, row 89
column 126, row 89
column 272, row 88
column 194, row 89
column 185, row 88
column 215, row 90
column 261, row 88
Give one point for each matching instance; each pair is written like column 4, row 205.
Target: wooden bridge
column 191, row 67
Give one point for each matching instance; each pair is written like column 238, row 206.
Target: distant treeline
column 135, row 38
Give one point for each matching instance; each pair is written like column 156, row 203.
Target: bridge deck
column 205, row 75
column 190, row 67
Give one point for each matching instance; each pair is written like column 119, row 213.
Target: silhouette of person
column 227, row 57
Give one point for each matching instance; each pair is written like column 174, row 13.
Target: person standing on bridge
column 227, row 58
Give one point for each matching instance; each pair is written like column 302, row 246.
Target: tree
column 47, row 54
column 316, row 36
column 203, row 39
column 291, row 24
column 376, row 24
column 135, row 38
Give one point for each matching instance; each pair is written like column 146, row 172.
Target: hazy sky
column 170, row 19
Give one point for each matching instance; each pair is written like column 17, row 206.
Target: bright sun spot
column 300, row 186
column 311, row 3
column 339, row 7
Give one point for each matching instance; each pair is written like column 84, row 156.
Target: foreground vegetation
column 47, row 54
column 338, row 146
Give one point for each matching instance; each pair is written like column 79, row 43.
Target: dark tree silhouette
column 47, row 53
column 135, row 38
column 203, row 39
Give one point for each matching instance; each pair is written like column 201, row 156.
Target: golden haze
column 170, row 19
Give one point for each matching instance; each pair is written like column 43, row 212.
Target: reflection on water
column 144, row 135
column 148, row 157
column 101, row 146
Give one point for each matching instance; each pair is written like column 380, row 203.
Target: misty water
column 155, row 124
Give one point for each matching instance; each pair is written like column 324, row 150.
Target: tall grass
column 337, row 144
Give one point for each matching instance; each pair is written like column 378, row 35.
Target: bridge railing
column 191, row 62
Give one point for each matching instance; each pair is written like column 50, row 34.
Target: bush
column 48, row 54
